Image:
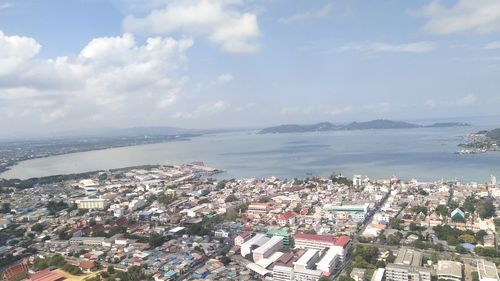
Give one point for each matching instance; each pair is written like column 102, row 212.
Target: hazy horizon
column 200, row 64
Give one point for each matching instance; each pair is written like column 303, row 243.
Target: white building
column 88, row 203
column 328, row 263
column 407, row 266
column 487, row 271
column 258, row 240
column 449, row 270
column 242, row 238
column 307, row 260
column 274, row 244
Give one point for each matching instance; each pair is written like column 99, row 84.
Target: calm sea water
column 427, row 154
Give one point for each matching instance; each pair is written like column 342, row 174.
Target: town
column 184, row 222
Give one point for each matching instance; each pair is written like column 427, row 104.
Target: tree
column 5, row 208
column 480, row 235
column 486, row 209
column 323, row 278
column 467, row 238
column 37, row 227
column 231, row 198
column 156, row 240
column 469, row 204
column 442, row 210
column 393, row 239
column 396, row 223
column 414, row 227
column 460, row 249
column 225, row 260
column 111, row 269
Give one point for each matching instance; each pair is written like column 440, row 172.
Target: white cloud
column 479, row 16
column 493, row 45
column 378, row 47
column 319, row 13
column 5, row 5
column 219, row 21
column 464, row 101
column 226, row 77
column 112, row 77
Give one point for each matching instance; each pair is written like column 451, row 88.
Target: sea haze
column 424, row 153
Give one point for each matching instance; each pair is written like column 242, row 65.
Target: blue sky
column 237, row 63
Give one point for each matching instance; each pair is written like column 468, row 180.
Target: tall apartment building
column 407, row 267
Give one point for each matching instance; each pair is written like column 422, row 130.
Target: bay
column 424, row 153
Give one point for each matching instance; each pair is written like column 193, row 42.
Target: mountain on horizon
column 373, row 124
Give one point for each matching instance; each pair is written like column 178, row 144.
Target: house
column 242, row 238
column 87, row 266
column 287, row 218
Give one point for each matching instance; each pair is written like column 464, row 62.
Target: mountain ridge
column 376, row 124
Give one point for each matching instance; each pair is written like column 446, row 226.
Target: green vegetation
column 487, row 252
column 55, row 207
column 156, row 240
column 231, row 198
column 5, row 209
column 365, row 256
column 166, row 199
column 134, row 273
column 453, row 235
column 57, row 261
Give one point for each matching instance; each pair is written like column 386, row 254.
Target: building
column 221, row 233
column 87, row 241
column 307, row 260
column 357, row 181
column 259, row 207
column 285, row 219
column 341, row 244
column 329, row 262
column 280, row 232
column 46, row 275
column 378, row 275
column 17, row 272
column 92, row 203
column 487, row 271
column 358, row 274
column 407, row 267
column 303, row 265
column 258, row 240
column 242, row 238
column 449, row 270
column 457, row 215
column 274, row 244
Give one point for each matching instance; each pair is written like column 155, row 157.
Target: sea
column 426, row 154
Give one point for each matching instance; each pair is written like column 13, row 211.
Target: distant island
column 481, row 142
column 374, row 124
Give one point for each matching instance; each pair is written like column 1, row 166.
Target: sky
column 76, row 64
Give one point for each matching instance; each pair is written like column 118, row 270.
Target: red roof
column 338, row 241
column 343, row 241
column 245, row 234
column 17, row 270
column 87, row 264
column 315, row 237
column 45, row 275
column 286, row 216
